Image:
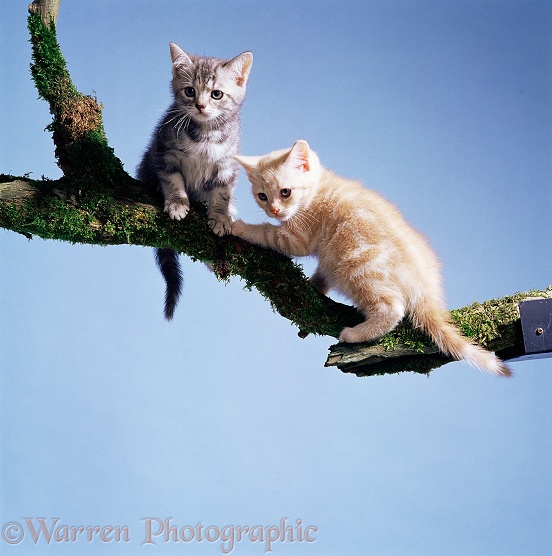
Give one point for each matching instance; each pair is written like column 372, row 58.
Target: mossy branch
column 494, row 324
column 83, row 210
column 46, row 9
column 98, row 202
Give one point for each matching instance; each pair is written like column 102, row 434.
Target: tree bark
column 98, row 202
column 81, row 210
column 493, row 324
column 46, row 9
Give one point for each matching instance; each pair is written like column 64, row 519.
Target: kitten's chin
column 281, row 217
column 201, row 117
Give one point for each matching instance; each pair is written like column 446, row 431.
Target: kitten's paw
column 237, row 228
column 177, row 209
column 349, row 336
column 221, row 225
column 362, row 332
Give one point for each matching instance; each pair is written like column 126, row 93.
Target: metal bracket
column 536, row 325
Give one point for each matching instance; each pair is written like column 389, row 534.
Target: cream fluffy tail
column 451, row 342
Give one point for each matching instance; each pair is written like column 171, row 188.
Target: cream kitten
column 364, row 247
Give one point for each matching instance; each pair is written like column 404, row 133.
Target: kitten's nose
column 200, row 107
column 274, row 210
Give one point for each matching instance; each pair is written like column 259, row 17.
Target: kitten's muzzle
column 278, row 214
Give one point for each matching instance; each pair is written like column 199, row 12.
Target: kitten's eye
column 262, row 197
column 285, row 192
column 189, row 92
column 216, row 94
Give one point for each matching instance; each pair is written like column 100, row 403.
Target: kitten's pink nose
column 200, row 107
column 274, row 210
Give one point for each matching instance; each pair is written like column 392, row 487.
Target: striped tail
column 167, row 261
column 449, row 340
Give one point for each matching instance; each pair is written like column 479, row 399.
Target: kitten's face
column 284, row 181
column 209, row 88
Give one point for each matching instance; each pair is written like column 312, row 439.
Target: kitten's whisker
column 183, row 122
column 168, row 122
column 178, row 125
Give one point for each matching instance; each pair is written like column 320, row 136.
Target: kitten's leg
column 320, row 281
column 383, row 316
column 253, row 233
column 276, row 237
column 177, row 204
column 219, row 201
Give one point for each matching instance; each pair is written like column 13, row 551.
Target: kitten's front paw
column 237, row 228
column 221, row 225
column 177, row 209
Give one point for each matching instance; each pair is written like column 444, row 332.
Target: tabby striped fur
column 191, row 153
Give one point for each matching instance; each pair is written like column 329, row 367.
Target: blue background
column 109, row 414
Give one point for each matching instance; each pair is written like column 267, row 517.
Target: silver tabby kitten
column 191, row 153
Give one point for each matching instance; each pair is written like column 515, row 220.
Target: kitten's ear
column 299, row 156
column 248, row 162
column 241, row 66
column 179, row 57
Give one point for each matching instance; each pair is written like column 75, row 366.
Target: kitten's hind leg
column 383, row 316
column 320, row 281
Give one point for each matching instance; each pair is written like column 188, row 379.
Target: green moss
column 49, row 69
column 494, row 324
column 485, row 322
column 84, row 155
column 100, row 203
column 481, row 322
column 77, row 128
column 11, row 216
column 404, row 334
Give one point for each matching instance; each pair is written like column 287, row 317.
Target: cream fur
column 365, row 249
